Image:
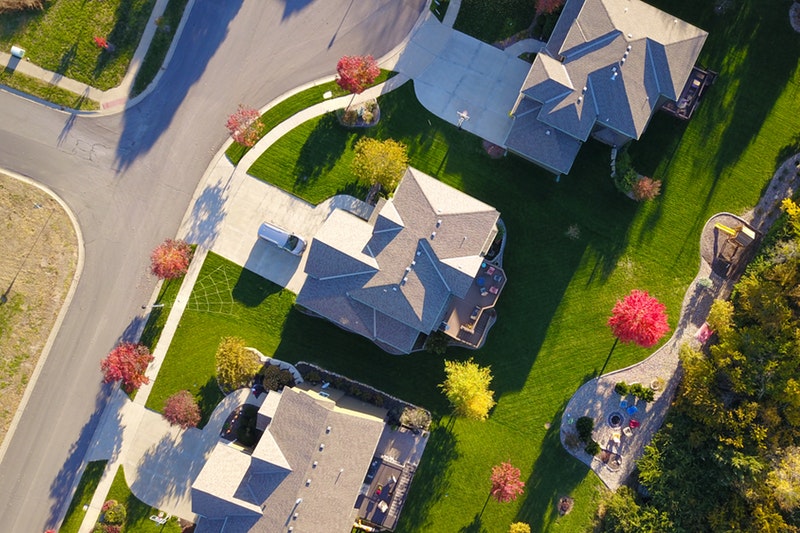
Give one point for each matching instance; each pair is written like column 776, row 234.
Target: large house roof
column 307, row 453
column 608, row 63
column 392, row 277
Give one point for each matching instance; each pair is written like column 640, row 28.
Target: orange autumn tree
column 170, row 260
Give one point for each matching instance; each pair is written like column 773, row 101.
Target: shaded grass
column 286, row 108
column 83, row 496
column 551, row 335
column 138, row 512
column 46, row 91
column 159, row 46
column 494, row 21
column 226, row 301
column 60, row 38
column 158, row 315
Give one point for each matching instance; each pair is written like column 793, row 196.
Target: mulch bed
column 494, row 151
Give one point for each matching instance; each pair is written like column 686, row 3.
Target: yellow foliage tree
column 382, row 162
column 519, row 527
column 236, row 365
column 467, row 388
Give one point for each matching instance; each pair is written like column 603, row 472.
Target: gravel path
column 597, row 398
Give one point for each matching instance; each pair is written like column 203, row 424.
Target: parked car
column 281, row 238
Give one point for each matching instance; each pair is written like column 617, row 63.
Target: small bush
column 113, row 512
column 585, row 426
column 621, row 388
column 437, row 343
column 415, row 418
column 349, row 117
column 181, row 409
column 271, row 378
column 646, row 188
column 313, row 377
column 648, row 394
column 246, row 432
column 592, row 448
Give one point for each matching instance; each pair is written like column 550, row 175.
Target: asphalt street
column 129, row 178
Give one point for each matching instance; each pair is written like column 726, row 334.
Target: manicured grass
column 285, row 109
column 226, row 301
column 494, row 21
column 138, row 512
column 61, row 37
column 46, row 91
column 158, row 315
column 83, row 496
column 159, row 46
column 551, row 334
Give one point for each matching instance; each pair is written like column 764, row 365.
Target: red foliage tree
column 170, row 259
column 548, row 6
column 127, row 363
column 639, row 318
column 181, row 409
column 356, row 73
column 244, row 126
column 506, row 484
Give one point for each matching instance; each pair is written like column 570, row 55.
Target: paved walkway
column 597, row 398
column 116, row 98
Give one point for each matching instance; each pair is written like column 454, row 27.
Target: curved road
column 129, row 178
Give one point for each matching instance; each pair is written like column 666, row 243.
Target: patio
column 471, row 316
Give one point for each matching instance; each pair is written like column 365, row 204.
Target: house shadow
column 60, row 493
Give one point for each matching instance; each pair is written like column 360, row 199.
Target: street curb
column 61, row 314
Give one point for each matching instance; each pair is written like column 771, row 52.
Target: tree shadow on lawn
column 208, row 398
column 476, row 526
column 788, row 151
column 125, row 34
column 323, row 148
column 555, row 474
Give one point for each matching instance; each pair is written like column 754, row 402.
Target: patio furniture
column 480, row 281
column 484, row 292
column 490, row 270
column 475, row 312
column 633, row 424
column 616, row 437
column 627, row 432
column 623, row 404
column 498, row 277
column 493, row 289
column 632, row 410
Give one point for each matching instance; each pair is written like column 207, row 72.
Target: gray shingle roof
column 426, row 244
column 609, row 63
column 230, row 481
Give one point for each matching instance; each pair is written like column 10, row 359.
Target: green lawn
column 61, row 37
column 285, row 109
column 551, row 334
column 138, row 512
column 83, row 496
column 159, row 46
column 46, row 91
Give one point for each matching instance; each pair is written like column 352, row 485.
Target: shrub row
column 646, row 394
column 396, row 407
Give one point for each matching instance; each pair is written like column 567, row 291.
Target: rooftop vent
column 580, row 99
column 321, row 447
column 314, row 464
column 328, row 429
column 433, row 235
column 438, row 222
column 628, row 49
column 630, row 36
column 308, row 482
column 547, row 132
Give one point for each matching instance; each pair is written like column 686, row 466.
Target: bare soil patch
column 38, row 257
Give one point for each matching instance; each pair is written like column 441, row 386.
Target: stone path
column 597, row 398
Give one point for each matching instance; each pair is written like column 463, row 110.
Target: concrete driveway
column 228, row 225
column 454, row 72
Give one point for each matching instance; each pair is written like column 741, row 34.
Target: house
column 313, row 469
column 607, row 67
column 416, row 266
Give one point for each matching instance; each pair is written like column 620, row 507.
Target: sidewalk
column 117, row 98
